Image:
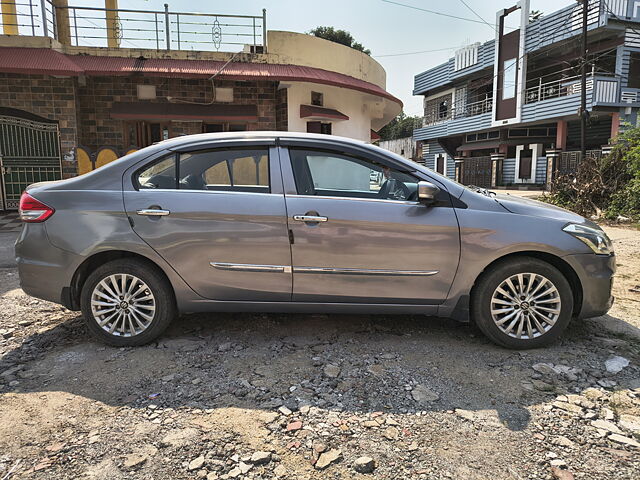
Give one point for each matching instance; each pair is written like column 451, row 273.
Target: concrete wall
column 351, row 103
column 405, row 147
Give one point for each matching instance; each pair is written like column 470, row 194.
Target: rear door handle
column 309, row 218
column 153, row 212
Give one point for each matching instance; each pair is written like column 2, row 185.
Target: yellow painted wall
column 293, row 48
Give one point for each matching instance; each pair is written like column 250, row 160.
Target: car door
column 360, row 236
column 217, row 216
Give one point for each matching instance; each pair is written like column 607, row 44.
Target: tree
column 400, row 127
column 339, row 36
column 606, row 186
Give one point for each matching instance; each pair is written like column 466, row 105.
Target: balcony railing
column 144, row 29
column 555, row 88
column 560, row 88
column 464, row 110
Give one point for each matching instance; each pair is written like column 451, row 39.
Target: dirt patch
column 305, row 396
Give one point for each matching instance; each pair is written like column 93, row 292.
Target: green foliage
column 339, row 36
column 607, row 186
column 400, row 127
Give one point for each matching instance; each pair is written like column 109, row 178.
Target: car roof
column 255, row 135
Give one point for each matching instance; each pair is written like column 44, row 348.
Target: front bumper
column 595, row 273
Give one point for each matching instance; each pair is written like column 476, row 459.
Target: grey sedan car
column 285, row 222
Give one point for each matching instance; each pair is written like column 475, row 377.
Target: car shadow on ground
column 368, row 363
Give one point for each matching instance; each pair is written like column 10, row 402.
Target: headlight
column 594, row 238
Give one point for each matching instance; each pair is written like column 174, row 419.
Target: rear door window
column 225, row 170
column 245, row 170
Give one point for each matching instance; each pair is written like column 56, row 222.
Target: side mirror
column 427, row 192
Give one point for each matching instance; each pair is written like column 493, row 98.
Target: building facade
column 81, row 86
column 506, row 112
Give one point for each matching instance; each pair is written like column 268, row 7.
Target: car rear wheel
column 522, row 303
column 127, row 303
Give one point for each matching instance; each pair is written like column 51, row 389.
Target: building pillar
column 9, row 18
column 496, row 169
column 63, row 30
column 552, row 167
column 113, row 28
column 615, row 126
column 459, row 165
column 561, row 135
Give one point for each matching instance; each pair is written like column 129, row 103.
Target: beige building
column 84, row 85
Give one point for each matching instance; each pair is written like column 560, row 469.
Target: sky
column 384, row 28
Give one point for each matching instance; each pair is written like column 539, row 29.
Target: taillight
column 32, row 210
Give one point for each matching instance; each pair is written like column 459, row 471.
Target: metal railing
column 459, row 110
column 144, row 29
column 561, row 87
column 29, row 18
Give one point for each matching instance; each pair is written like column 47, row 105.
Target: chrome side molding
column 249, row 267
column 364, row 271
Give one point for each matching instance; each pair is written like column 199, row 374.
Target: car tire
column 522, row 303
column 127, row 302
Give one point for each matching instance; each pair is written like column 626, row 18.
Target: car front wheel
column 127, row 303
column 522, row 303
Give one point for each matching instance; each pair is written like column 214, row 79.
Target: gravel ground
column 316, row 396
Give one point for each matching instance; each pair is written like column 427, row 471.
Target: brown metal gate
column 477, row 171
column 569, row 161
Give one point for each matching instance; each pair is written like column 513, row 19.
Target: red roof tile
column 321, row 112
column 46, row 61
column 37, row 60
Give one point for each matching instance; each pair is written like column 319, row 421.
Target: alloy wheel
column 525, row 305
column 123, row 305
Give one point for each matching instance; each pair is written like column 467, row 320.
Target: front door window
column 337, row 175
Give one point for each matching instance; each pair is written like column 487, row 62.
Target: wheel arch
column 71, row 298
column 567, row 271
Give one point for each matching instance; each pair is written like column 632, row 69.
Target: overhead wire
column 493, row 27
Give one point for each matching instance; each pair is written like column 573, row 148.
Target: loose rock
column 328, row 458
column 364, row 465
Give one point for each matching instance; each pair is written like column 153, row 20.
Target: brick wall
column 83, row 109
column 282, row 111
column 48, row 97
column 95, row 99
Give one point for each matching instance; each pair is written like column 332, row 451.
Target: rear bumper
column 43, row 268
column 595, row 273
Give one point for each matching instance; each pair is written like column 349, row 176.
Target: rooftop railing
column 144, row 29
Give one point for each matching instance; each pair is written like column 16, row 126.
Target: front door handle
column 153, row 212
column 310, row 218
